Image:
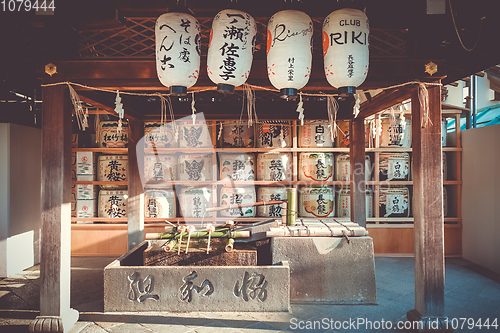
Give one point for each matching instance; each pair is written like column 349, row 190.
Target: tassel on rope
column 97, row 126
column 332, row 107
column 355, row 109
column 193, row 109
column 249, row 101
column 300, row 110
column 220, row 131
column 423, row 97
column 77, row 105
column 402, row 119
column 166, row 103
column 392, row 117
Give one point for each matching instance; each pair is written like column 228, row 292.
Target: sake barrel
column 157, row 135
column 112, row 203
column 315, row 133
column 196, row 167
column 316, row 166
column 237, row 167
column 274, row 134
column 394, row 166
column 194, row 136
column 269, row 193
column 112, row 168
column 274, row 166
column 316, row 201
column 394, row 201
column 395, row 132
column 194, row 201
column 237, row 196
column 237, row 134
column 159, row 168
column 159, row 203
column 108, row 136
column 344, row 202
column 343, row 168
column 343, row 135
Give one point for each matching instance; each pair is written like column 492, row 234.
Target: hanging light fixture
column 178, row 49
column 345, row 49
column 230, row 50
column 289, row 50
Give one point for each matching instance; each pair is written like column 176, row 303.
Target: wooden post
column 135, row 203
column 428, row 212
column 55, row 266
column 357, row 159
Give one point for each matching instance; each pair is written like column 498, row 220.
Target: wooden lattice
column 136, row 40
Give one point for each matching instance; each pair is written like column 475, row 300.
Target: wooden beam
column 384, row 100
column 107, row 103
column 105, row 108
column 357, row 159
column 135, row 203
column 55, row 265
column 141, row 74
column 428, row 207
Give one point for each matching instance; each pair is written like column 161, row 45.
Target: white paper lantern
column 230, row 50
column 177, row 51
column 289, row 50
column 345, row 48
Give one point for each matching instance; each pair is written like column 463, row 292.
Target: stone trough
column 130, row 286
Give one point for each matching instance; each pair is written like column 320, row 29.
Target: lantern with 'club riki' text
column 178, row 49
column 230, row 50
column 345, row 49
column 289, row 50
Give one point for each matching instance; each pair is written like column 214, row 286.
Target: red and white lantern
column 230, row 51
column 178, row 49
column 289, row 50
column 345, row 48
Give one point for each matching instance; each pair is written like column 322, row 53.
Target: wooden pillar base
column 429, row 324
column 55, row 323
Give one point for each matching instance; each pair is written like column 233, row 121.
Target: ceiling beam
column 141, row 74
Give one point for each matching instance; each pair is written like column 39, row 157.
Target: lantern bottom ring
column 178, row 90
column 287, row 92
column 347, row 90
column 225, row 88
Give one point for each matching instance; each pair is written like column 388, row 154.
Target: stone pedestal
column 328, row 269
column 129, row 286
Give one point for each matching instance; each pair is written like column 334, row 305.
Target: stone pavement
column 470, row 292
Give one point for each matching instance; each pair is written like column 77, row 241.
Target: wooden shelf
column 102, row 150
column 99, row 182
column 105, row 220
column 392, row 233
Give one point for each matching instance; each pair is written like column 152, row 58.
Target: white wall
column 455, row 94
column 4, row 195
column 483, row 93
column 20, row 187
column 481, row 196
